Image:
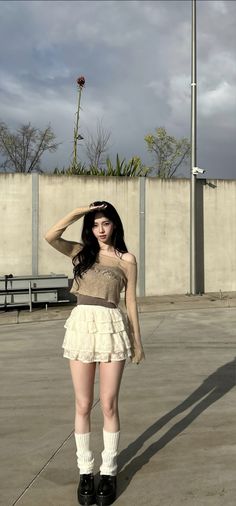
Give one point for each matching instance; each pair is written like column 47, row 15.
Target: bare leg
column 83, row 381
column 110, row 379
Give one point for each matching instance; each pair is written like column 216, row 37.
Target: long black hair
column 87, row 256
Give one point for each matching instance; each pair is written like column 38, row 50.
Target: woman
column 97, row 330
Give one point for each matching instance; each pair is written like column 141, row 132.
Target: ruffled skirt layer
column 96, row 334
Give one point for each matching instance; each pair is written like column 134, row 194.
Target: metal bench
column 29, row 290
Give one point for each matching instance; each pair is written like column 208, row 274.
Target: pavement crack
column 47, row 463
column 156, row 327
column 42, row 469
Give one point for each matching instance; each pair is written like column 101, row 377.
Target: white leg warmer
column 110, row 452
column 85, row 460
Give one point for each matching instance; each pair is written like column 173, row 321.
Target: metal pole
column 35, row 222
column 30, row 297
column 142, row 238
column 193, row 154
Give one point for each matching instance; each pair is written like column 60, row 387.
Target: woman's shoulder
column 129, row 257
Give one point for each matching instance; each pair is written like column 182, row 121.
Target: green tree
column 22, row 150
column 168, row 152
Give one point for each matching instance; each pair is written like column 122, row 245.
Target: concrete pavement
column 177, row 409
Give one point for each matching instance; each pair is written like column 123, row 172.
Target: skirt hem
column 96, row 358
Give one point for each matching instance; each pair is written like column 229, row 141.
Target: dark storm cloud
column 136, row 60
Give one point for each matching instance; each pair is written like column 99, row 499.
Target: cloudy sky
column 136, row 58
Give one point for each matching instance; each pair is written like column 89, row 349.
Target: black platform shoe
column 86, row 490
column 106, row 492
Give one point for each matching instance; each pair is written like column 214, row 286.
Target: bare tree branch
column 96, row 146
column 23, row 150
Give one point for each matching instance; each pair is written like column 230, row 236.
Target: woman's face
column 102, row 229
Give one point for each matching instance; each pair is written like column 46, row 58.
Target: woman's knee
column 83, row 406
column 109, row 407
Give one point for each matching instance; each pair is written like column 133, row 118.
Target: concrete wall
column 167, row 236
column 219, row 207
column 16, row 226
column 163, row 229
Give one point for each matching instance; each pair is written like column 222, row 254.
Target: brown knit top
column 106, row 279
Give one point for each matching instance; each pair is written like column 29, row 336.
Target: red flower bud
column 81, row 81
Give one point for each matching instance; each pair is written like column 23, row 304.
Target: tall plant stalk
column 81, row 83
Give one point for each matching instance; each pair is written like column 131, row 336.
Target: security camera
column 197, row 170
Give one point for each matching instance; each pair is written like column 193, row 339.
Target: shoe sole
column 105, row 501
column 87, row 500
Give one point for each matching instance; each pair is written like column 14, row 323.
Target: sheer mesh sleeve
column 53, row 235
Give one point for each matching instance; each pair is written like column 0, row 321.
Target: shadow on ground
column 211, row 390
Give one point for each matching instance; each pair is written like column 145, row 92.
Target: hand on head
column 99, row 207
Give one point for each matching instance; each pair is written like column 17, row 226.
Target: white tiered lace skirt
column 96, row 334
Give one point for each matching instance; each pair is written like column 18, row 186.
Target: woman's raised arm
column 53, row 235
